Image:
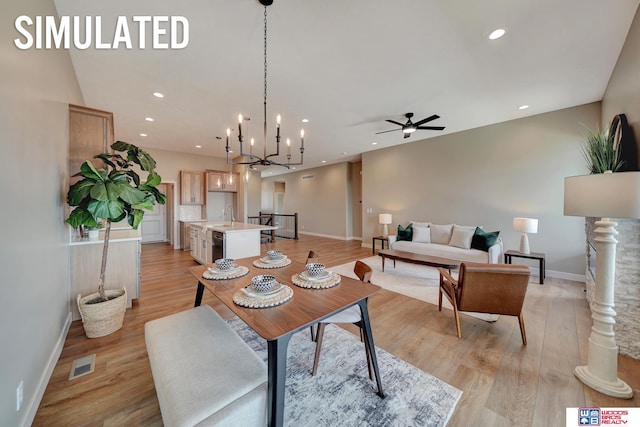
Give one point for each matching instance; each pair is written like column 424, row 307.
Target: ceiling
column 347, row 66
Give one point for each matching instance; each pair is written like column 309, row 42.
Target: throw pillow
column 405, row 233
column 420, row 224
column 441, row 233
column 461, row 236
column 483, row 240
column 421, row 234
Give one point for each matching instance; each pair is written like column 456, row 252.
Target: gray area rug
column 413, row 280
column 341, row 394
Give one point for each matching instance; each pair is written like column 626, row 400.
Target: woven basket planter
column 103, row 318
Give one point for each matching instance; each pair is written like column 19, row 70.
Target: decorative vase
column 103, row 317
column 94, row 234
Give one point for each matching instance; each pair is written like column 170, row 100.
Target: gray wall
column 35, row 89
column 321, row 202
column 487, row 176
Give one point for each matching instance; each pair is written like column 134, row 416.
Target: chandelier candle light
column 602, row 196
column 525, row 225
column 385, row 220
column 251, row 159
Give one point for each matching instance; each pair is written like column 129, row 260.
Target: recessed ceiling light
column 293, row 167
column 198, row 146
column 158, row 95
column 374, row 143
column 305, row 120
column 523, row 107
column 496, row 34
column 344, row 153
column 324, row 161
column 143, row 134
column 149, row 119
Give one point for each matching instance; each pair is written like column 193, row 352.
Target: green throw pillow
column 405, row 233
column 483, row 240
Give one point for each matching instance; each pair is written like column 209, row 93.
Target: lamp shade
column 525, row 225
column 610, row 195
column 385, row 219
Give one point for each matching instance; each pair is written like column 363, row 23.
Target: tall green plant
column 601, row 152
column 114, row 193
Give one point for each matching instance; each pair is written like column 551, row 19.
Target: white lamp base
column 524, row 244
column 601, row 372
column 385, row 231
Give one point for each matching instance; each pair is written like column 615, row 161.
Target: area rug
column 341, row 394
column 413, row 280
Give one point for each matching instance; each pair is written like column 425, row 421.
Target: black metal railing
column 287, row 225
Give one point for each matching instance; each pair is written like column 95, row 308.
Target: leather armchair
column 486, row 288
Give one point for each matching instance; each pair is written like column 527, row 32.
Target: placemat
column 225, row 275
column 329, row 282
column 245, row 299
column 260, row 264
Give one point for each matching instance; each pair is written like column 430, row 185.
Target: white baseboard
column 34, row 403
column 559, row 275
column 328, row 236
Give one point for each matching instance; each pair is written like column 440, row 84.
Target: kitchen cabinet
column 191, row 188
column 220, row 181
column 90, row 133
column 200, row 244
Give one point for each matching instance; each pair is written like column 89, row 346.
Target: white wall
column 35, row 89
column 487, row 176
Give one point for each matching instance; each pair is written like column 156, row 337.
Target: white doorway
column 154, row 223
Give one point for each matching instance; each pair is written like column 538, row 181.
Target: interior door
column 154, row 223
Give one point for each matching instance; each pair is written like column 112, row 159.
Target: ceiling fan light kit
column 250, row 159
column 409, row 127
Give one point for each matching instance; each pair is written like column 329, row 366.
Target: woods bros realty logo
column 603, row 416
column 52, row 32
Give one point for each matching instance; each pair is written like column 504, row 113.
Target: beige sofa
column 453, row 241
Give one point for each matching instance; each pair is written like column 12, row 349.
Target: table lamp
column 525, row 225
column 603, row 195
column 385, row 220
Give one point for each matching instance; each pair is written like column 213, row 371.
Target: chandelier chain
column 265, row 54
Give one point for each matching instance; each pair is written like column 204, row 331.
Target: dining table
column 277, row 324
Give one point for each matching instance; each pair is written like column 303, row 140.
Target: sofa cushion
column 421, row 234
column 405, row 233
column 441, row 233
column 443, row 251
column 461, row 236
column 420, row 223
column 483, row 240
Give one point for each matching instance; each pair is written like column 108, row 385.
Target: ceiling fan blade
column 431, row 127
column 428, row 119
column 385, row 131
column 394, row 122
column 406, row 135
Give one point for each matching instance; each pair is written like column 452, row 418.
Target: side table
column 533, row 255
column 382, row 240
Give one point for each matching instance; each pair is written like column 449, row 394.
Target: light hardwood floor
column 504, row 382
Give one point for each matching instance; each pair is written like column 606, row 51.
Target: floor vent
column 82, row 366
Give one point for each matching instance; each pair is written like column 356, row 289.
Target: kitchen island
column 213, row 240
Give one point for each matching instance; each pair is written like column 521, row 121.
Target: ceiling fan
column 409, row 127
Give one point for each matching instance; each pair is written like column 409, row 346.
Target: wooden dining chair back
column 352, row 314
column 486, row 288
column 311, row 257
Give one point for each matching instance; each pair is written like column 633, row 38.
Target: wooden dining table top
column 307, row 306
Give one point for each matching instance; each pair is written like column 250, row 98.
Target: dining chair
column 352, row 314
column 486, row 288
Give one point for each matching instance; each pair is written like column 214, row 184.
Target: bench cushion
column 204, row 372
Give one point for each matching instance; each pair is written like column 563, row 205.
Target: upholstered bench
column 204, row 373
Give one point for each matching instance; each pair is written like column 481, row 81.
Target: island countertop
column 226, row 227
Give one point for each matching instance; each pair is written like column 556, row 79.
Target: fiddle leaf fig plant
column 113, row 193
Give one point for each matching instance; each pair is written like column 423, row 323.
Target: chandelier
column 251, row 159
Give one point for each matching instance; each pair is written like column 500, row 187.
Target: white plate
column 232, row 269
column 254, row 293
column 268, row 260
column 319, row 278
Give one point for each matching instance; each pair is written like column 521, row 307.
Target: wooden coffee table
column 410, row 257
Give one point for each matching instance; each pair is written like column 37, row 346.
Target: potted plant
column 601, row 152
column 103, row 196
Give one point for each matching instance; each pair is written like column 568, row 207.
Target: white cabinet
column 200, row 244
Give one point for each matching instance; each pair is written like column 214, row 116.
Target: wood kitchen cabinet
column 220, row 181
column 90, row 133
column 191, row 188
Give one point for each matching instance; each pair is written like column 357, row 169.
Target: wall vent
column 310, row 176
